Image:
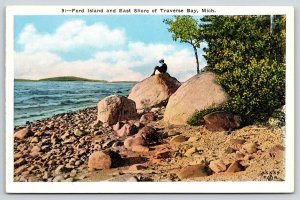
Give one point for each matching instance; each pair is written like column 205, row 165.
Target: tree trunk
column 197, row 61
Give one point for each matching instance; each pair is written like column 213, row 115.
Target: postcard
column 149, row 99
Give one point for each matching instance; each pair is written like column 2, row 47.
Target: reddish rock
column 23, row 133
column 35, row 151
column 240, row 156
column 178, row 139
column 114, row 108
column 277, row 147
column 127, row 129
column 34, row 140
column 99, row 160
column 149, row 134
column 192, row 171
column 19, row 162
column 133, row 141
column 237, row 141
column 38, row 133
column 163, row 154
column 17, row 155
column 217, row 166
column 147, row 118
column 140, row 148
column 235, row 167
column 118, row 126
column 221, row 121
column 250, row 148
column 20, row 169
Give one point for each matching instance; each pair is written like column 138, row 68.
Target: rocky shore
column 113, row 142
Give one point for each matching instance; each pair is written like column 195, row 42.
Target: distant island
column 71, row 78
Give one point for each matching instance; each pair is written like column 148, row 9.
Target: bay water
column 42, row 99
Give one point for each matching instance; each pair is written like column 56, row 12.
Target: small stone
column 99, row 160
column 73, row 173
column 45, row 176
column 107, row 144
column 277, row 147
column 221, row 121
column 133, row 141
column 35, row 151
column 58, row 179
column 235, row 167
column 34, row 140
column 178, row 139
column 77, row 163
column 250, row 148
column 65, row 136
column 72, row 139
column 20, row 169
column 239, row 156
column 217, row 166
column 127, row 129
column 140, row 148
column 23, row 133
column 163, row 154
column 149, row 134
column 58, row 170
column 192, row 171
column 17, row 155
column 78, row 132
column 147, row 118
column 190, row 151
column 38, row 133
column 230, row 150
column 132, row 179
column 96, row 124
column 237, row 142
column 20, row 161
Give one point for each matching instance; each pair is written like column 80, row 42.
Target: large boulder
column 115, row 108
column 99, row 160
column 199, row 92
column 221, row 121
column 154, row 91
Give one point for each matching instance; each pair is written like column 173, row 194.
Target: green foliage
column 197, row 118
column 249, row 61
column 187, row 30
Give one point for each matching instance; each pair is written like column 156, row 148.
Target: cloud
column 121, row 60
column 70, row 35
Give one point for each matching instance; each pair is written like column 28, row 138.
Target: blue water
column 38, row 100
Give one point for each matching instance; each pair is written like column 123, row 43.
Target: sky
column 102, row 47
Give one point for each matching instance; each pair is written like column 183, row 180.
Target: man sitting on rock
column 160, row 69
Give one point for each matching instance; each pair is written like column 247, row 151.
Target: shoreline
column 17, row 127
column 57, row 149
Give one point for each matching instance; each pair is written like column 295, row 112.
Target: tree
column 249, row 61
column 186, row 30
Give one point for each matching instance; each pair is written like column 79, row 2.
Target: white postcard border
column 286, row 186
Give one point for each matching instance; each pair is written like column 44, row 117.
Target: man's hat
column 161, row 60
